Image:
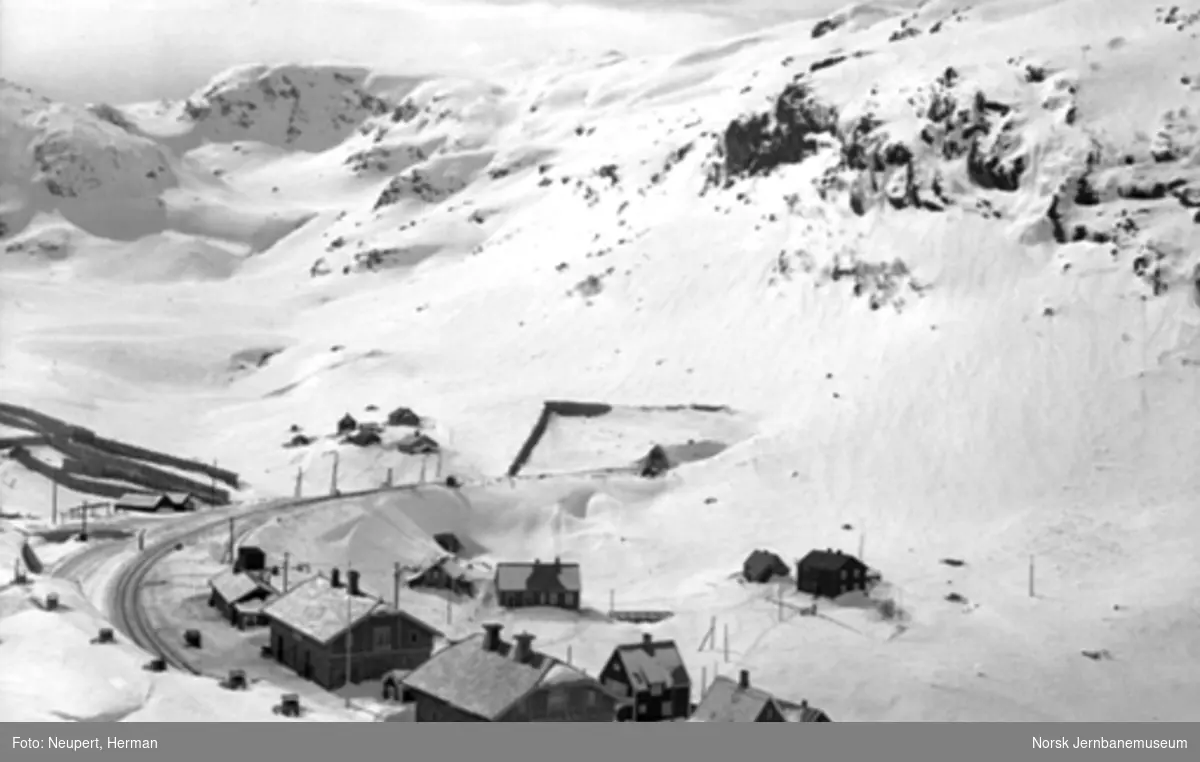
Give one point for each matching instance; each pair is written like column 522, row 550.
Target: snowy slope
column 946, row 257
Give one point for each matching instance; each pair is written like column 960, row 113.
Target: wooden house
column 523, row 585
column 313, row 624
column 728, row 700
column 651, row 680
column 830, row 573
column 143, row 502
column 446, row 573
column 235, row 594
column 483, row 678
column 763, row 566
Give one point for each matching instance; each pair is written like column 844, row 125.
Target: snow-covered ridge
column 308, row 108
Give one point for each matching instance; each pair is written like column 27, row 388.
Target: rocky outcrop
column 788, row 134
column 308, row 108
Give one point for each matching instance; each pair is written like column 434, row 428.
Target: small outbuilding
column 830, row 573
column 728, row 700
column 444, row 574
column 403, row 416
column 418, row 444
column 763, row 565
column 521, row 585
column 239, row 597
column 347, row 424
column 654, row 463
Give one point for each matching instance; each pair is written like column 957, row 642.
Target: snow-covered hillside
column 946, row 259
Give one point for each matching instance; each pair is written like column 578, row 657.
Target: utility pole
column 1031, row 595
column 349, row 639
column 299, row 481
column 396, row 585
column 213, row 482
column 287, row 560
column 53, row 502
column 83, row 534
column 333, row 488
column 424, row 460
column 389, row 477
column 232, row 554
column 612, row 600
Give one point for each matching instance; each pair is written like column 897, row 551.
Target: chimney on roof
column 491, row 636
column 335, row 578
column 352, row 582
column 744, row 679
column 557, row 562
column 524, row 650
column 804, row 703
column 647, row 641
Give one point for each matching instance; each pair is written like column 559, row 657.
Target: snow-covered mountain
column 944, row 259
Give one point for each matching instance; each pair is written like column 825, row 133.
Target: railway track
column 125, row 599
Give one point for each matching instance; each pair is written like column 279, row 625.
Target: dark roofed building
column 418, row 444
column 521, row 585
column 486, row 679
column 143, row 502
column 651, row 680
column 654, row 463
column 830, row 573
column 234, row 593
column 310, row 623
column 448, row 542
column 403, row 416
column 728, row 700
column 762, row 566
column 446, row 573
column 802, row 712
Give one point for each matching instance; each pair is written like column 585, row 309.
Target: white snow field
column 948, row 276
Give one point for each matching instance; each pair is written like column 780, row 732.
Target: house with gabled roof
column 484, row 678
column 830, row 573
column 522, row 585
column 240, row 597
column 651, row 679
column 143, row 502
column 728, row 700
column 314, row 623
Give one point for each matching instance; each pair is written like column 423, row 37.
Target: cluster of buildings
column 329, row 630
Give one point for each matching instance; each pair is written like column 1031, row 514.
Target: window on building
column 414, row 637
column 556, row 702
column 642, row 708
column 383, row 638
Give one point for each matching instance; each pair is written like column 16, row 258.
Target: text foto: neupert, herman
column 79, row 744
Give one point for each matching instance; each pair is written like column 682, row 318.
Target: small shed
column 418, row 444
column 763, row 565
column 830, row 573
column 347, row 424
column 654, row 463
column 403, row 416
column 143, row 502
column 239, row 597
column 444, row 574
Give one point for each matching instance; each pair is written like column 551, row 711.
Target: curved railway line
column 124, row 601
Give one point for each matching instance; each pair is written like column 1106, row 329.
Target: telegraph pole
column 349, row 640
column 333, row 488
column 1031, row 595
column 53, row 502
column 287, row 560
column 83, row 535
column 299, row 482
column 396, row 585
column 389, row 477
column 232, row 554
